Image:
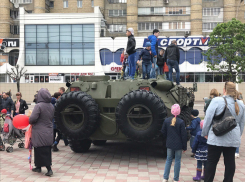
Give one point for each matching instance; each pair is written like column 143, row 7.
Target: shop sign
column 56, row 79
column 82, row 74
column 183, row 42
column 9, row 42
column 116, row 69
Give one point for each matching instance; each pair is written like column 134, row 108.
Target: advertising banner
column 9, row 42
column 189, row 41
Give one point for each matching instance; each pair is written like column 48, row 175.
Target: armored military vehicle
column 95, row 109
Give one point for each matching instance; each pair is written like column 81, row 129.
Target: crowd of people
column 206, row 144
column 45, row 135
column 150, row 62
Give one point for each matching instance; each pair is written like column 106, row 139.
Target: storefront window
column 13, row 57
column 199, row 77
column 36, row 79
column 189, row 77
column 208, row 77
column 3, row 78
column 218, row 77
column 59, row 45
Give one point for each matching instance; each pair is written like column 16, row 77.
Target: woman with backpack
column 174, row 130
column 227, row 142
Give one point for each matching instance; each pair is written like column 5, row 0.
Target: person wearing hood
column 131, row 52
column 172, row 55
column 42, row 131
column 154, row 50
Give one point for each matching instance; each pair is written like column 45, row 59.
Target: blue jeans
column 160, row 70
column 154, row 70
column 146, row 67
column 177, row 163
column 173, row 64
column 167, row 75
column 237, row 150
column 126, row 71
column 200, row 163
column 192, row 139
column 132, row 65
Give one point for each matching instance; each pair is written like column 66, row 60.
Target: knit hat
column 175, row 110
column 148, row 44
column 131, row 30
column 195, row 112
column 4, row 111
column 201, row 124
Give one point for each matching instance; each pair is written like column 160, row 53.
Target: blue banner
column 184, row 42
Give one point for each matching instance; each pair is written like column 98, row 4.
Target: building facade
column 58, row 41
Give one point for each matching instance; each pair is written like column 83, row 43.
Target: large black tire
column 80, row 146
column 140, row 115
column 76, row 115
column 186, row 115
column 99, row 142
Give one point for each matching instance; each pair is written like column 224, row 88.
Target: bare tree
column 16, row 73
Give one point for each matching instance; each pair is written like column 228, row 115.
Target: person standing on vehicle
column 228, row 142
column 154, row 50
column 172, row 55
column 20, row 105
column 160, row 62
column 42, row 131
column 145, row 54
column 174, row 130
column 131, row 52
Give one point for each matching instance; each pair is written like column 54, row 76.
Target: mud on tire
column 80, row 146
column 140, row 115
column 76, row 115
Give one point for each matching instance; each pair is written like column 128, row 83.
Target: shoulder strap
column 223, row 112
column 225, row 102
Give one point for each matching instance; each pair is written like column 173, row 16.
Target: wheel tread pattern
column 92, row 114
column 160, row 114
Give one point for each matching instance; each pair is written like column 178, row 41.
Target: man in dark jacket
column 131, row 52
column 172, row 56
column 154, row 49
column 7, row 103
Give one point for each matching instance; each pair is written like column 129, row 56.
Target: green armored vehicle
column 96, row 109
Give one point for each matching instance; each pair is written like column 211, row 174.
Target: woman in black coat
column 20, row 105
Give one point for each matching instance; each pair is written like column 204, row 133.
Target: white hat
column 131, row 30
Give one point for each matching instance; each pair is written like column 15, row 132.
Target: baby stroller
column 11, row 135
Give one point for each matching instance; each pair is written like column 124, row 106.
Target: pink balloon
column 21, row 121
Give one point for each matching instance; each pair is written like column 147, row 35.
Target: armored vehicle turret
column 95, row 109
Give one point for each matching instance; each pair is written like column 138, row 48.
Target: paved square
column 115, row 162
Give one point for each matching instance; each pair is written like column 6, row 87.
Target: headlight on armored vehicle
column 73, row 89
column 145, row 88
